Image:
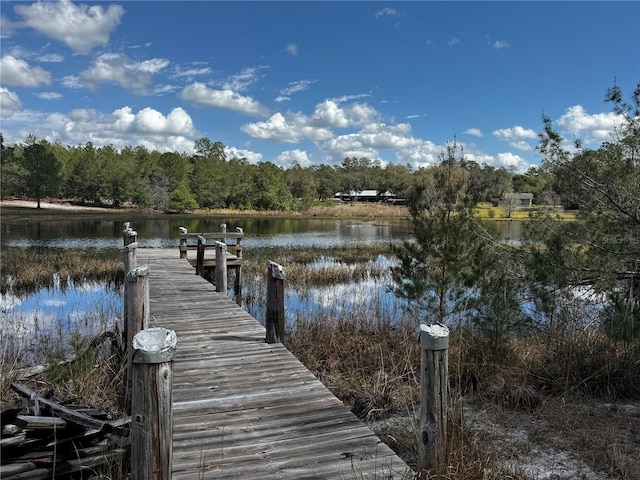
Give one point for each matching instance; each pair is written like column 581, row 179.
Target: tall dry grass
column 361, row 210
column 26, row 270
column 373, row 367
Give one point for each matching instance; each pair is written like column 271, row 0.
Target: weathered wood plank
column 243, row 408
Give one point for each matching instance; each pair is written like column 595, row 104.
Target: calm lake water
column 163, row 233
column 54, row 310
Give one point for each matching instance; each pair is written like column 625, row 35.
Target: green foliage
column 43, row 170
column 71, row 374
column 12, row 173
column 438, row 271
column 84, row 174
column 488, row 184
column 602, row 250
column 270, row 190
column 182, row 201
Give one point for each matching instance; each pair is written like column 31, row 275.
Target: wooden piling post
column 237, row 286
column 221, row 267
column 274, row 321
column 152, row 398
column 223, row 228
column 434, row 381
column 130, row 260
column 128, row 234
column 137, row 307
column 202, row 243
column 136, row 316
column 130, row 238
column 183, row 247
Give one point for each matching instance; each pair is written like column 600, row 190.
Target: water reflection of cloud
column 54, row 302
column 53, row 315
column 9, row 302
column 355, row 293
column 88, row 287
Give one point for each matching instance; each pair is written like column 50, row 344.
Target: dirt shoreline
column 346, row 210
column 51, row 206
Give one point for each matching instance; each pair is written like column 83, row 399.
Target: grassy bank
column 361, row 210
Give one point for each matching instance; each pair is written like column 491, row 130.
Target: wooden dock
column 245, row 409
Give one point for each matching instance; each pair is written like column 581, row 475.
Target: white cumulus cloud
column 17, row 72
column 423, row 153
column 177, row 122
column 80, row 27
column 118, row 68
column 148, row 128
column 199, row 94
column 9, row 103
column 512, row 161
column 252, row 157
column 594, row 128
column 476, row 132
column 289, row 158
column 280, row 129
column 49, row 95
column 515, row 133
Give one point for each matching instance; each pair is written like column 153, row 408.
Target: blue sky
column 315, row 82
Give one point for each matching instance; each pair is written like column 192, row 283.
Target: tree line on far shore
column 208, row 179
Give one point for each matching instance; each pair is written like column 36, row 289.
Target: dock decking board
column 243, row 408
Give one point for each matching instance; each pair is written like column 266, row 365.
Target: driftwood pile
column 42, row 439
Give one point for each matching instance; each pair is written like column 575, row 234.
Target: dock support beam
column 152, row 414
column 202, row 244
column 237, row 286
column 274, row 321
column 434, row 382
column 137, row 317
column 220, row 280
column 130, row 238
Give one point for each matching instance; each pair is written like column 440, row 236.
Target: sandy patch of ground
column 47, row 205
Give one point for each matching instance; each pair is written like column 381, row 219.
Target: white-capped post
column 152, row 398
column 434, row 381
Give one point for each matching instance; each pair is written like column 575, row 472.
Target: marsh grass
column 78, row 349
column 360, row 210
column 26, row 270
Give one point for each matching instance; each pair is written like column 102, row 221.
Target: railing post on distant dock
column 128, row 234
column 202, row 243
column 434, row 382
column 183, row 246
column 237, row 285
column 274, row 321
column 152, row 399
column 221, row 267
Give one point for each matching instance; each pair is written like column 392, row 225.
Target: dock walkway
column 245, row 409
